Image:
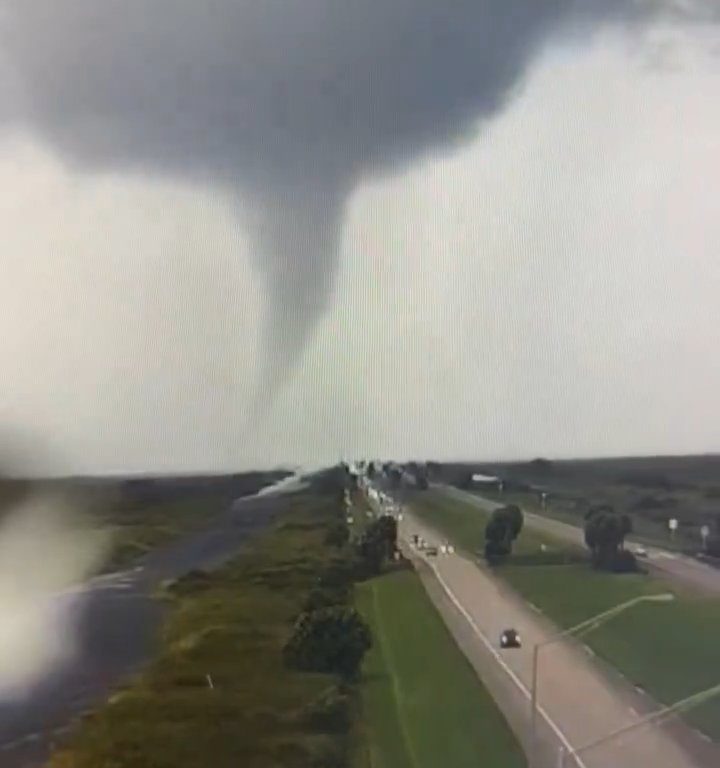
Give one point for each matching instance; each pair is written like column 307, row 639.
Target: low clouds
column 289, row 103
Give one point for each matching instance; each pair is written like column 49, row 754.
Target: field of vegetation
column 668, row 649
column 219, row 692
column 148, row 513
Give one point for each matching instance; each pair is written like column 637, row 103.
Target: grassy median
column 668, row 649
column 423, row 703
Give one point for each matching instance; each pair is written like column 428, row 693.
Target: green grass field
column 669, row 649
column 423, row 704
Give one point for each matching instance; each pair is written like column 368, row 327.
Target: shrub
column 501, row 530
column 378, row 544
column 332, row 639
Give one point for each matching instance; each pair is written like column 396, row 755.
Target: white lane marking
column 518, row 682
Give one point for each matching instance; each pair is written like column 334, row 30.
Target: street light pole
column 587, row 624
column 533, row 697
column 679, row 706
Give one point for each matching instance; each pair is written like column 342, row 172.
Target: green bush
column 378, row 544
column 332, row 639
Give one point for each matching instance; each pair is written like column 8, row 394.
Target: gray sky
column 238, row 234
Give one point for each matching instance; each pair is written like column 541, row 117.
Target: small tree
column 332, row 639
column 498, row 541
column 501, row 531
column 378, row 543
column 386, row 527
column 605, row 532
column 515, row 519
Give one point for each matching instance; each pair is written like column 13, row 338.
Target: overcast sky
column 236, row 235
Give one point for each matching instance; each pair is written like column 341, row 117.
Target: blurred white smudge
column 47, row 547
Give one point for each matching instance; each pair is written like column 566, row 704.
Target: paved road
column 580, row 702
column 672, row 565
column 117, row 620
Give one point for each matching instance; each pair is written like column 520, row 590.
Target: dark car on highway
column 510, row 638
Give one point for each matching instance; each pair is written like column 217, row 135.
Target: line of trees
column 330, row 635
column 378, row 545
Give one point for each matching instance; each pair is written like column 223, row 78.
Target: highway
column 680, row 568
column 580, row 702
column 117, row 620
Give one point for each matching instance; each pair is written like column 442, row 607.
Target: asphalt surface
column 579, row 701
column 117, row 620
column 680, row 568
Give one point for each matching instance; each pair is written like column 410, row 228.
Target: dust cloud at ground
column 47, row 546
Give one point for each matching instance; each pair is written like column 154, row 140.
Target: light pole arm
column 679, row 706
column 595, row 620
column 590, row 623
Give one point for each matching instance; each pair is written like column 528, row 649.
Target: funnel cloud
column 288, row 103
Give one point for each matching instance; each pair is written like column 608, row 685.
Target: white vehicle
column 640, row 552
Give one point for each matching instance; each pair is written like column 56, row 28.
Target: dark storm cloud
column 288, row 102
